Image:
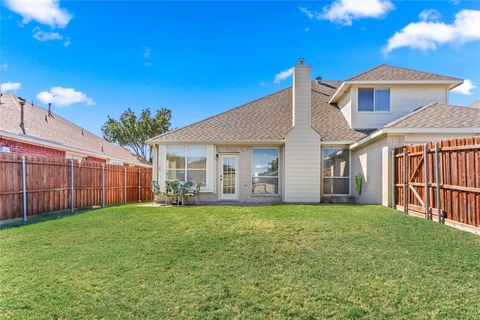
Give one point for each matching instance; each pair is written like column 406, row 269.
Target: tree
column 132, row 132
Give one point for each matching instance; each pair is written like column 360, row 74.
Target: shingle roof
column 438, row 115
column 269, row 119
column 476, row 104
column 391, row 73
column 57, row 130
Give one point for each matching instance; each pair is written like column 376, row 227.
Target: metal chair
column 156, row 190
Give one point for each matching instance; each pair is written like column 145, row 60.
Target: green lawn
column 270, row 262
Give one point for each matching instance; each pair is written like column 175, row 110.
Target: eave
column 345, row 86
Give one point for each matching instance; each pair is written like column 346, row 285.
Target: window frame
column 252, row 171
column 374, row 100
column 186, row 169
column 349, row 176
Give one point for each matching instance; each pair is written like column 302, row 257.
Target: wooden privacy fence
column 31, row 185
column 440, row 181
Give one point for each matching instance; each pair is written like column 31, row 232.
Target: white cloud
column 345, row 11
column 4, row 66
column 147, row 52
column 279, row 77
column 310, row 14
column 43, row 11
column 47, row 36
column 429, row 15
column 10, row 86
column 44, row 36
column 63, row 97
column 466, row 88
column 425, row 35
column 67, row 42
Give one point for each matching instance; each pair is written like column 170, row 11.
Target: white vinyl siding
column 403, row 100
column 302, row 166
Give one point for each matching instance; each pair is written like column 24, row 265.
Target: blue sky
column 201, row 58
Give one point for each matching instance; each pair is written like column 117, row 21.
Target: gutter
column 381, row 132
column 216, row 142
column 55, row 145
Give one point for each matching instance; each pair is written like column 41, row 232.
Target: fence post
column 139, row 186
column 24, row 188
column 125, row 185
column 405, row 202
column 71, row 186
column 103, row 185
column 393, row 179
column 437, row 178
column 427, row 193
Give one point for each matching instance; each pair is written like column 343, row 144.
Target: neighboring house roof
column 476, row 104
column 385, row 72
column 57, row 130
column 268, row 119
column 438, row 115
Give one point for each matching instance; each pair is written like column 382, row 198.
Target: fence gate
column 440, row 181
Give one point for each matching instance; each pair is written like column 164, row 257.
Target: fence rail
column 31, row 185
column 440, row 181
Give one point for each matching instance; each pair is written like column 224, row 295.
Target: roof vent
column 49, row 109
column 318, row 79
column 301, row 61
column 22, row 114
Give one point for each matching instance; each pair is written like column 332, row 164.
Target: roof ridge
column 411, row 114
column 432, row 73
column 218, row 114
column 403, row 68
column 361, row 73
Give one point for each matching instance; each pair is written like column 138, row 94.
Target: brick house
column 29, row 129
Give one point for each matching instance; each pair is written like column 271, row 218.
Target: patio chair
column 156, row 190
column 172, row 191
column 194, row 191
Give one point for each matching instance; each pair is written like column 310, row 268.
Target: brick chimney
column 22, row 114
column 302, row 95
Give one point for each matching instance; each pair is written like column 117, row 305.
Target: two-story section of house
column 306, row 143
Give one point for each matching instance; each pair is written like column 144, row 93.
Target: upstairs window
column 373, row 100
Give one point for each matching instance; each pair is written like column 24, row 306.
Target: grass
column 270, row 262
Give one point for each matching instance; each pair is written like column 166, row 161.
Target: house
column 306, row 143
column 29, row 129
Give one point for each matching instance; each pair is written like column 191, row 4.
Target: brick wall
column 25, row 148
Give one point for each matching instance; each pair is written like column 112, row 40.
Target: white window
column 187, row 163
column 373, row 99
column 265, row 170
column 336, row 171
